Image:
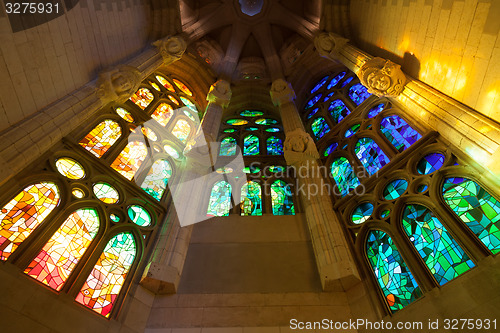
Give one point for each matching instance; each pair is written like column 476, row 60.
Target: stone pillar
column 470, row 131
column 335, row 263
column 163, row 274
column 26, row 141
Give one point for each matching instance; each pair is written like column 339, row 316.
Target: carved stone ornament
column 299, row 147
column 220, row 93
column 118, row 84
column 171, row 48
column 329, row 44
column 382, row 77
column 282, row 92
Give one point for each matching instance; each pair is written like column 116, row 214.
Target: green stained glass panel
column 441, row 253
column 220, row 199
column 237, row 122
column 251, row 145
column 338, row 110
column 391, row 272
column 251, row 201
column 251, row 129
column 430, row 163
column 370, row 155
column 351, row 131
column 157, row 178
column 320, row 127
column 251, row 113
column 362, row 213
column 344, row 175
column 228, row 146
column 476, row 208
column 139, row 216
column 281, row 197
column 272, row 130
column 229, row 130
column 395, row 189
column 330, row 149
column 274, row 146
column 266, row 121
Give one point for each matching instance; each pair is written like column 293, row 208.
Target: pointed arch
column 142, row 98
column 220, row 199
column 163, row 113
column 344, row 175
column 181, row 130
column 130, row 159
column 441, row 253
column 157, row 178
column 274, row 146
column 398, row 132
column 251, row 199
column 228, row 146
column 24, row 213
column 102, row 137
column 320, row 127
column 55, row 262
column 358, row 93
column 282, row 198
column 251, row 145
column 370, row 155
column 338, row 110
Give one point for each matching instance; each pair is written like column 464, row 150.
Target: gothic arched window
column 370, row 155
column 181, row 130
column 274, row 146
column 228, row 146
column 130, row 159
column 320, row 127
column 344, row 175
column 358, row 93
column 478, row 209
column 251, row 145
column 439, row 250
column 142, row 98
column 398, row 132
column 251, row 199
column 393, row 276
column 282, row 199
column 157, row 178
column 220, row 199
column 102, row 137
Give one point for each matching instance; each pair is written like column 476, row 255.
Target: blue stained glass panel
column 336, row 80
column 274, row 146
column 441, row 253
column 320, row 127
column 351, row 131
column 313, row 101
column 338, row 110
column 320, row 84
column 370, row 155
column 251, row 145
column 362, row 213
column 430, row 163
column 398, row 132
column 228, row 146
column 347, row 81
column 330, row 149
column 328, row 97
column 344, row 175
column 358, row 93
column 395, row 189
column 312, row 113
column 374, row 111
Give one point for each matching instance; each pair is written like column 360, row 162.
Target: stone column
column 467, row 129
column 163, row 273
column 335, row 263
column 26, row 141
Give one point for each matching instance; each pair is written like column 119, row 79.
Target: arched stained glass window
column 164, row 82
column 102, row 137
column 338, row 110
column 181, row 130
column 24, row 213
column 130, row 159
column 228, row 146
column 142, row 98
column 371, row 155
column 251, row 200
column 478, row 209
column 320, row 127
column 157, row 178
column 358, row 93
column 281, row 197
column 220, row 199
column 251, row 145
column 320, row 84
column 439, row 250
column 182, row 87
column 274, row 146
column 398, row 132
column 344, row 175
column 393, row 276
column 336, row 80
column 163, row 113
column 104, row 283
column 63, row 251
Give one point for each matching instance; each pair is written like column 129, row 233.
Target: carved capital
column 118, row 84
column 220, row 93
column 329, row 44
column 382, row 77
column 171, row 48
column 299, row 147
column 282, row 92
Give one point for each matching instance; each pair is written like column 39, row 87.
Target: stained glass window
column 336, row 80
column 374, row 111
column 149, row 133
column 362, row 213
column 370, row 155
column 130, row 159
column 440, row 252
column 78, row 193
column 251, row 202
column 189, row 115
column 181, row 130
column 220, row 199
column 104, row 283
column 165, row 83
column 398, row 132
column 351, row 131
column 154, row 85
column 139, row 216
column 251, row 129
column 338, row 110
column 430, row 163
column 312, row 113
column 272, row 129
column 251, row 145
column 171, row 151
column 228, row 146
column 142, row 98
column 393, row 276
column 157, row 178
column 320, row 127
column 328, row 96
column 266, row 121
column 358, row 93
column 330, row 149
column 24, row 213
column 313, row 101
column 320, row 84
column 182, row 87
column 106, row 193
column 229, row 130
column 163, row 113
column 251, row 113
column 70, row 168
column 274, row 146
column 225, row 170
column 237, row 122
column 347, row 81
column 478, row 209
column 188, row 103
column 102, row 137
column 174, row 100
column 395, row 189
column 344, row 176
column 251, row 169
column 125, row 115
column 281, row 197
column 65, row 248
